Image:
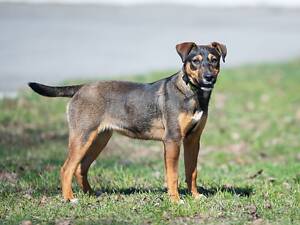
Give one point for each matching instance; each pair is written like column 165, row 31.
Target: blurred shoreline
column 50, row 43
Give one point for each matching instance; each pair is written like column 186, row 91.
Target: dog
column 173, row 110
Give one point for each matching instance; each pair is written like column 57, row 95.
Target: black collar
column 203, row 98
column 188, row 82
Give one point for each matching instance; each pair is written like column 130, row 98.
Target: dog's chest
column 197, row 116
column 188, row 121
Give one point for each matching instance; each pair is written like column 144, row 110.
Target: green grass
column 249, row 163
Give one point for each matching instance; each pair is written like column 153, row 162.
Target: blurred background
column 249, row 160
column 51, row 41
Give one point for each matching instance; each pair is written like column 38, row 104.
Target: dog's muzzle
column 206, row 85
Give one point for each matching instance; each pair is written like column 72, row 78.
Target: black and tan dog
column 172, row 110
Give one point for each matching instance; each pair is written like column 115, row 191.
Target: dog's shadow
column 238, row 191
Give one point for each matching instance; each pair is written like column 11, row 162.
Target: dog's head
column 201, row 63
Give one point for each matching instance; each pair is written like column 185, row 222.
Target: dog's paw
column 198, row 196
column 180, row 202
column 74, row 201
column 176, row 199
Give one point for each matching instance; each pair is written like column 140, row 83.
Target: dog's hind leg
column 91, row 155
column 78, row 146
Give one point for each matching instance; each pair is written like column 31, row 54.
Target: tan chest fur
column 188, row 120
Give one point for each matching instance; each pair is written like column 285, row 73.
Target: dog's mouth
column 206, row 85
column 202, row 84
column 206, row 89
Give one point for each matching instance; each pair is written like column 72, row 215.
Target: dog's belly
column 140, row 129
column 152, row 135
column 152, row 130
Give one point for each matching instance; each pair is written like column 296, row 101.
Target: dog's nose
column 208, row 77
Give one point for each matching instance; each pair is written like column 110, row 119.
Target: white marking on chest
column 197, row 116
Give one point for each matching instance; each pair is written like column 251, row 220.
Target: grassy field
column 249, row 163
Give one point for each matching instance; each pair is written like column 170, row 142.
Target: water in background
column 51, row 43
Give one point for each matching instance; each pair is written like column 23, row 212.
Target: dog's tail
column 65, row 91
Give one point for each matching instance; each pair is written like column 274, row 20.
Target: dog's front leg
column 191, row 150
column 172, row 149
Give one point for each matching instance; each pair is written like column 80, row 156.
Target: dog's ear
column 184, row 49
column 221, row 49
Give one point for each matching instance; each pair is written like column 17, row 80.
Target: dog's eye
column 214, row 60
column 196, row 61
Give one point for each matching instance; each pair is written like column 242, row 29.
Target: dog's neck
column 191, row 91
